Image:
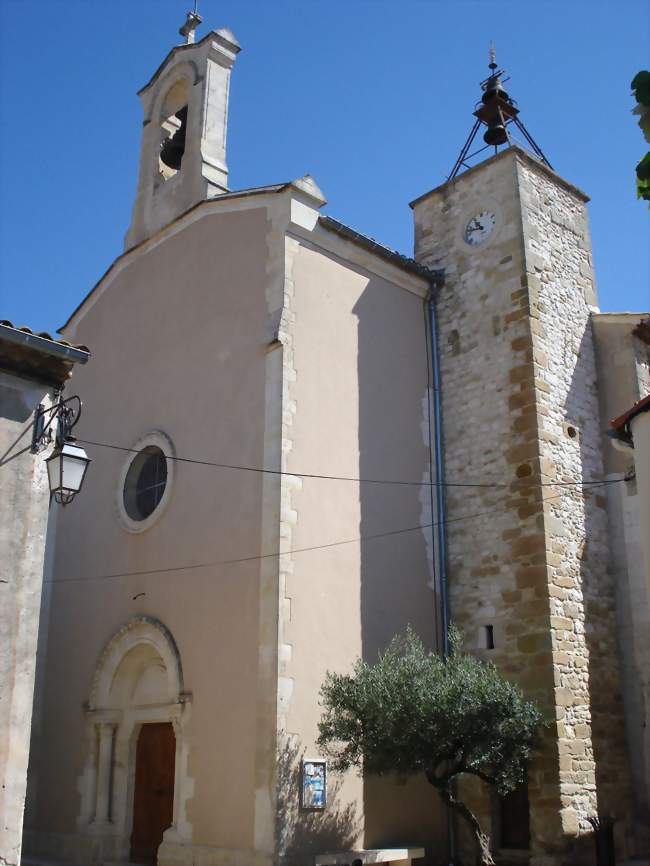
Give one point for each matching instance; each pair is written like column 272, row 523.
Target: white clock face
column 479, row 228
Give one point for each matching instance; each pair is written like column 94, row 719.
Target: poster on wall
column 314, row 784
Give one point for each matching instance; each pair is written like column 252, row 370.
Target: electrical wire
column 275, row 554
column 516, row 483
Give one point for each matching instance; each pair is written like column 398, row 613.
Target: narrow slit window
column 486, row 637
column 515, row 820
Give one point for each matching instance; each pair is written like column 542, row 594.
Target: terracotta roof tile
column 37, row 355
column 43, row 335
column 621, row 426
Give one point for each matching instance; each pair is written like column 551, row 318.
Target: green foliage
column 641, row 89
column 413, row 712
column 643, row 178
column 643, row 168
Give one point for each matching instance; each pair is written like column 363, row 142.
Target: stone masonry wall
column 26, row 495
column 496, row 546
column 507, row 377
column 593, row 763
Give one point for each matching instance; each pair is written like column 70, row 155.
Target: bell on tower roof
column 497, row 112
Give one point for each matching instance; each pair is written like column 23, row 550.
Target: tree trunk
column 482, row 839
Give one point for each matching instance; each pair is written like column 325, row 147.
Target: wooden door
column 515, row 819
column 153, row 795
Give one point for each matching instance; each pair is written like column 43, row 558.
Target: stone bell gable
column 184, row 130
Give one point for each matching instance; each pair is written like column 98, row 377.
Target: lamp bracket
column 67, row 411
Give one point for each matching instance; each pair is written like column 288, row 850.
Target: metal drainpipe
column 440, row 514
column 440, row 475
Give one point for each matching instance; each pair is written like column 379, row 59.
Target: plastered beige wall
column 623, row 362
column 359, row 409
column 178, row 336
column 245, row 346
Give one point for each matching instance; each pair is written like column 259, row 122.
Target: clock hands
column 479, row 228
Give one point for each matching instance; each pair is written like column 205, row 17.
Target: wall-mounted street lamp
column 66, row 469
column 67, row 465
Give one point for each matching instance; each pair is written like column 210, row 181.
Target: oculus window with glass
column 145, row 483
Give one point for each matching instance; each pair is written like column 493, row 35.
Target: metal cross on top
column 188, row 30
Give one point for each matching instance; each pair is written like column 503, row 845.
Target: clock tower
column 529, row 584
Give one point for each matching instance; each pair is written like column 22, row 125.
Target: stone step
column 33, row 860
column 41, row 861
column 400, row 856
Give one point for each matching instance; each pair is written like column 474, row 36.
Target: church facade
column 265, row 380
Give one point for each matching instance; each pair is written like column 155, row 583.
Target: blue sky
column 372, row 97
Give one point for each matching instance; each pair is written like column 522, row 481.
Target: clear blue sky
column 372, row 97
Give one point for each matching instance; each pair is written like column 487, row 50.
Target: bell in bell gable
column 173, row 147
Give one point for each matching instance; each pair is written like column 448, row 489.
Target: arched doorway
column 135, row 783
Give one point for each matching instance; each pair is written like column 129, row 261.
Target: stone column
column 104, row 772
column 89, row 799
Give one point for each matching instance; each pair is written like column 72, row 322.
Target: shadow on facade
column 300, row 833
column 598, row 593
column 395, row 569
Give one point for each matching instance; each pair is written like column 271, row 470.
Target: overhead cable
column 519, row 482
column 276, row 554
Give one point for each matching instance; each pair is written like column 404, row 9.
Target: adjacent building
column 33, row 371
column 630, row 519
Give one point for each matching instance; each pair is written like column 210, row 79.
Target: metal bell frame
column 496, row 111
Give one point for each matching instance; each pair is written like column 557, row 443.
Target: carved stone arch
column 186, row 71
column 188, row 66
column 140, row 630
column 138, row 681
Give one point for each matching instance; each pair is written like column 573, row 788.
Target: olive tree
column 415, row 712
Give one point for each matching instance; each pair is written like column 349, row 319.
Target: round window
column 145, row 483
